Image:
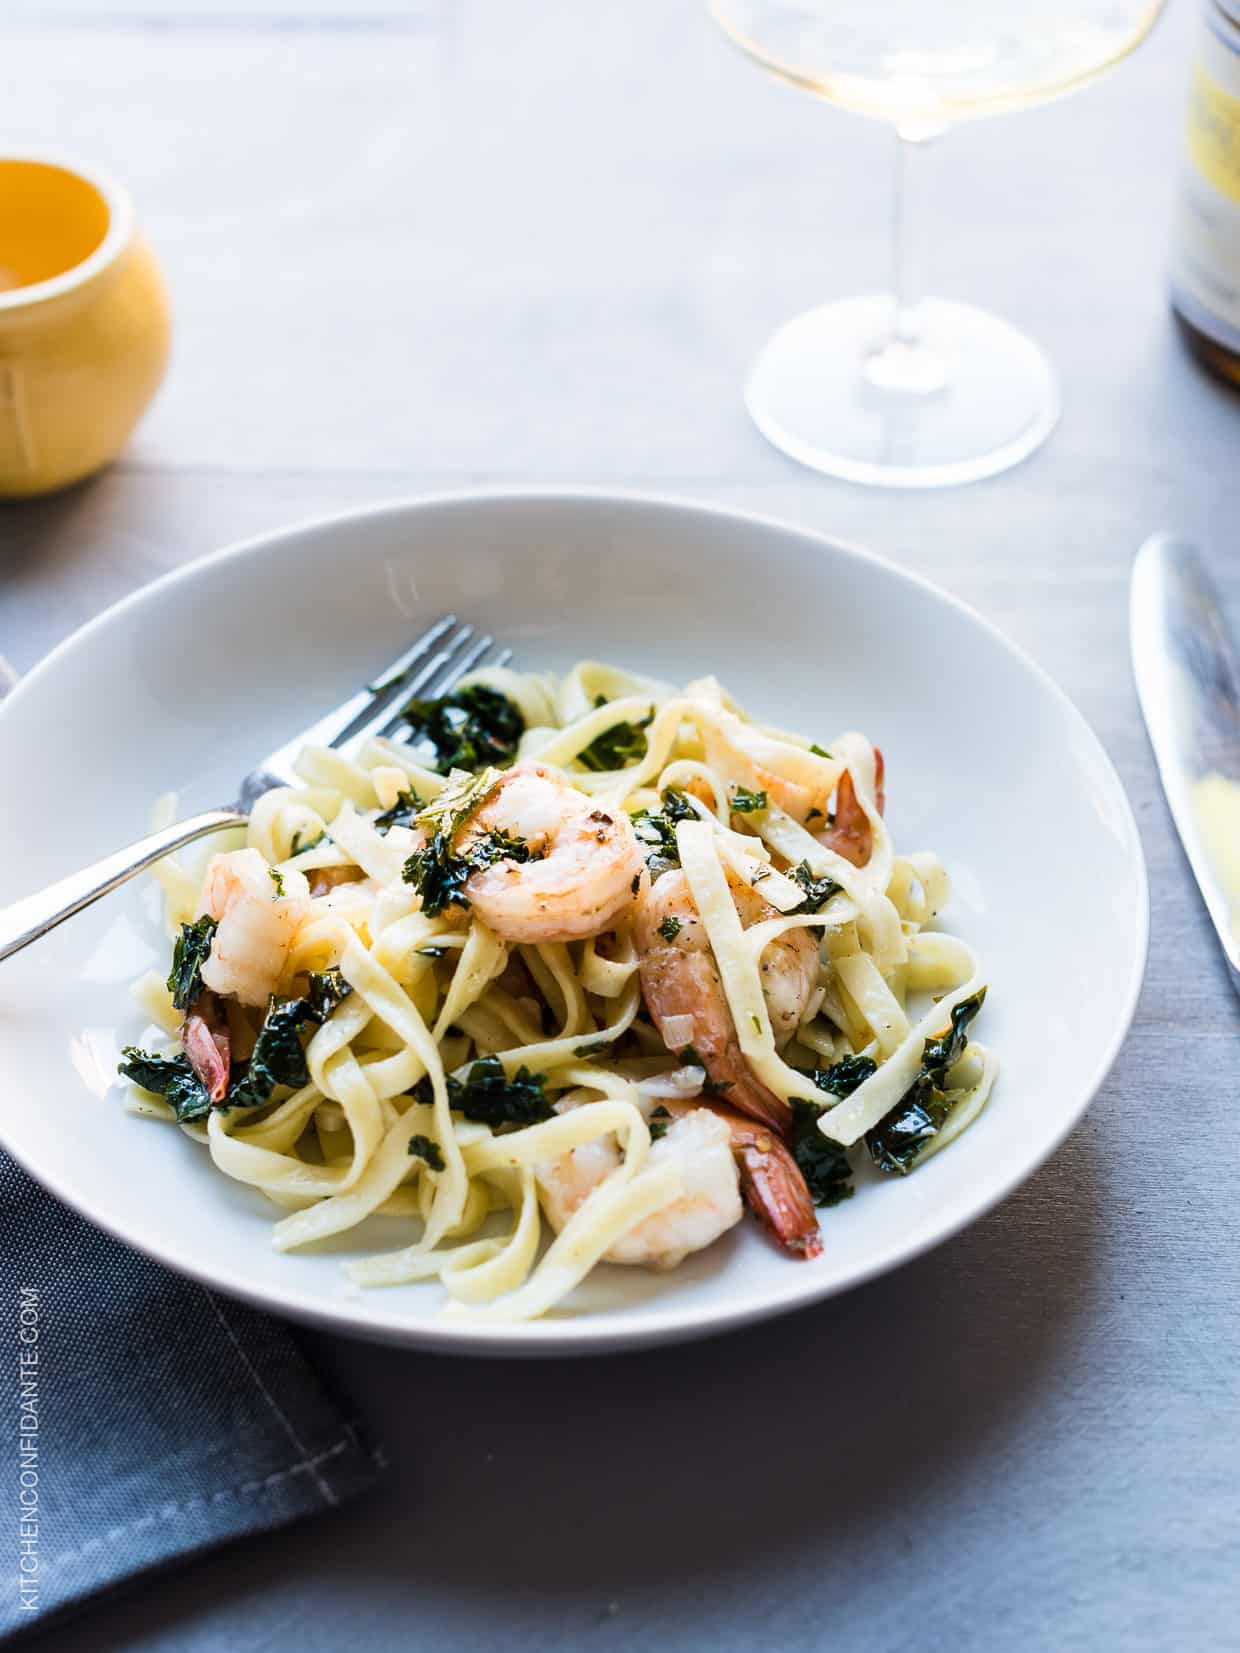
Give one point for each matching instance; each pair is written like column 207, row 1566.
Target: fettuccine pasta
column 572, row 974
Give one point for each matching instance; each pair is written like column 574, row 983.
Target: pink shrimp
column 851, row 834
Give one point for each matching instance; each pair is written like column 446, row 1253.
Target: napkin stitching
column 202, row 1501
column 307, row 1462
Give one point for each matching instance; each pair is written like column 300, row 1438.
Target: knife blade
column 1188, row 680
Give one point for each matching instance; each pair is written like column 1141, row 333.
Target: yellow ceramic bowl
column 83, row 324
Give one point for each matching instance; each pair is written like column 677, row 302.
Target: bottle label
column 1205, row 277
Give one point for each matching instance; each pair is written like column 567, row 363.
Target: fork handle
column 34, row 915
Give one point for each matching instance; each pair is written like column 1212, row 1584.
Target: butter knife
column 1188, row 679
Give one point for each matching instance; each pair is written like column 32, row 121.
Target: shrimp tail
column 773, row 1187
column 204, row 1038
column 851, row 834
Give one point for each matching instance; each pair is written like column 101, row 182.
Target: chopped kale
column 277, row 878
column 170, row 1077
column 745, row 802
column 617, row 747
column 188, row 957
column 402, row 813
column 670, row 928
column 439, row 874
column 278, row 1057
column 428, row 1149
column 818, row 891
column 659, row 1122
column 488, row 1095
column 843, row 1077
column 327, row 989
column 636, row 884
column 818, row 751
column 655, row 830
column 298, row 848
column 823, row 1163
column 899, row 1137
column 468, row 728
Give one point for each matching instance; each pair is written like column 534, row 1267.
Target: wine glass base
column 970, row 398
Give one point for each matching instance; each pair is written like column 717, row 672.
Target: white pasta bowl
column 185, row 684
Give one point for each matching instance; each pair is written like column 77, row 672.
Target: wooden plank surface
column 428, row 246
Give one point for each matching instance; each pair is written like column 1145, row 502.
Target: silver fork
column 439, row 658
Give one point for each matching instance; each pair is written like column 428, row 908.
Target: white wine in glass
column 892, row 389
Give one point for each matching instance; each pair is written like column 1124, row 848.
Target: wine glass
column 889, row 389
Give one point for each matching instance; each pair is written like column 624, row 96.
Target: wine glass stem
column 903, row 363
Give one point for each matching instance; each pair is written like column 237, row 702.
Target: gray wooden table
column 426, row 246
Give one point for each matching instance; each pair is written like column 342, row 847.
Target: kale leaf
column 660, row 1123
column 843, row 1077
column 899, row 1137
column 468, row 728
column 488, row 1095
column 615, row 748
column 402, row 813
column 439, row 874
column 170, row 1077
column 277, row 878
column 328, row 988
column 655, row 830
column 823, row 1163
column 818, row 891
column 670, row 928
column 745, row 802
column 278, row 1057
column 188, row 958
column 427, row 1148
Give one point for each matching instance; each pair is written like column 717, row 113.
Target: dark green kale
column 439, row 874
column 745, row 802
column 655, row 830
column 920, row 1114
column 818, row 891
column 188, row 957
column 818, row 751
column 298, row 848
column 328, row 988
column 843, row 1077
column 617, row 747
column 402, row 813
column 428, row 1149
column 670, row 928
column 660, row 1122
column 823, row 1163
column 278, row 1057
column 488, row 1095
column 468, row 728
column 170, row 1077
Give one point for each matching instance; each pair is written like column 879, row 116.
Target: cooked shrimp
column 588, row 860
column 205, row 1040
column 772, row 1184
column 256, row 926
column 323, row 880
column 851, row 834
column 709, row 1204
column 682, row 987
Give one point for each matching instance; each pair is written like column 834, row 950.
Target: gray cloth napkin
column 148, row 1418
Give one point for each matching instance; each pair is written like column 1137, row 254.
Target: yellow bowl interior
column 50, row 221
